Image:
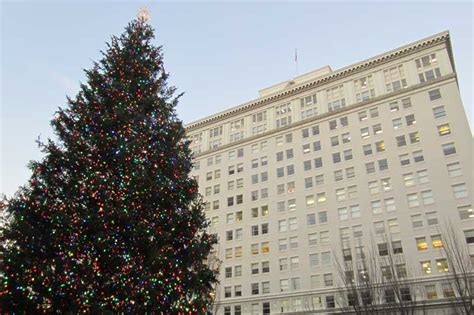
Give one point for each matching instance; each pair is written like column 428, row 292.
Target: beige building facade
column 335, row 169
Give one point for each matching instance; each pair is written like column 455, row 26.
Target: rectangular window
column 348, row 155
column 355, row 211
column 427, row 197
column 404, row 159
column 318, row 162
column 449, row 148
column 315, row 130
column 254, row 287
column 469, row 234
column 465, row 212
column 397, row 123
column 421, row 243
column 338, row 175
column 364, row 133
column 426, row 267
column 414, row 137
column 370, row 167
column 444, row 130
column 294, row 263
column 328, row 280
column 439, row 112
column 312, row 239
column 434, row 94
column 336, row 99
column 376, row 207
column 459, row 190
column 393, row 106
column 390, row 205
column 413, row 200
column 311, row 219
column 383, row 164
column 454, row 169
column 410, row 120
column 377, row 129
column 395, row 78
column 350, row 173
column 401, row 141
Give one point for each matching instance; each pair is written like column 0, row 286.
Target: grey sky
column 219, row 53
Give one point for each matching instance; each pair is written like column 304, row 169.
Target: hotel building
column 338, row 168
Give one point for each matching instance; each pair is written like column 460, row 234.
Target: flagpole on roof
column 296, row 60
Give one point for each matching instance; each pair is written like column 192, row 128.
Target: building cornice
column 392, row 55
column 357, row 106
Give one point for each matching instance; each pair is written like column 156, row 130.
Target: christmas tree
column 110, row 220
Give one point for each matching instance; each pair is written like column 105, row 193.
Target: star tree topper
column 144, row 14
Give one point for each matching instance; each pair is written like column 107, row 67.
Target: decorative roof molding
column 354, row 107
column 397, row 53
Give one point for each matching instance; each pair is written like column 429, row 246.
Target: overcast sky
column 219, row 53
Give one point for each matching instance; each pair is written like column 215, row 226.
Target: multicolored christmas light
column 110, row 220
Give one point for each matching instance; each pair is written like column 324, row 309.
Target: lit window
column 444, row 130
column 265, row 247
column 321, row 197
column 442, row 265
column 421, row 243
column 309, row 200
column 380, row 146
column 436, row 241
column 426, row 267
column 414, row 137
